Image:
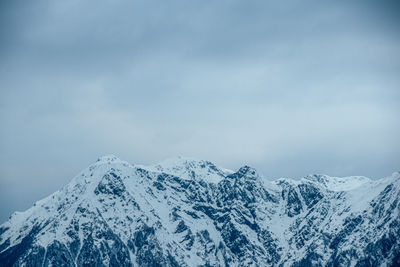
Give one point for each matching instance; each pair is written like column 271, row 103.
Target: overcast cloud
column 288, row 87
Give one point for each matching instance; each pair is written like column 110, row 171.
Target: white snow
column 345, row 196
column 339, row 183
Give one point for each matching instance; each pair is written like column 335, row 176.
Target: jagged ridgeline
column 186, row 212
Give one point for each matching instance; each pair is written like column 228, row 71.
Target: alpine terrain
column 187, row 212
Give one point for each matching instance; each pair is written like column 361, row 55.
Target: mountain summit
column 188, row 212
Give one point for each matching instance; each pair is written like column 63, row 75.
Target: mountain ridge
column 191, row 212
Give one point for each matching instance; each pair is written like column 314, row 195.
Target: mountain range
column 189, row 212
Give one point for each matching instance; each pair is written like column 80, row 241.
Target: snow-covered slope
column 339, row 184
column 188, row 212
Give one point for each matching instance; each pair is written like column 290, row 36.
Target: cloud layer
column 289, row 88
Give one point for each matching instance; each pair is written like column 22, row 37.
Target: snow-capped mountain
column 187, row 212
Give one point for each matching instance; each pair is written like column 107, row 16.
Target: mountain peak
column 178, row 161
column 108, row 159
column 191, row 168
column 245, row 171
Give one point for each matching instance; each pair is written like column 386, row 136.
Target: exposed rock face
column 186, row 212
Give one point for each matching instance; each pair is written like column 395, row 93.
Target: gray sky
column 288, row 87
